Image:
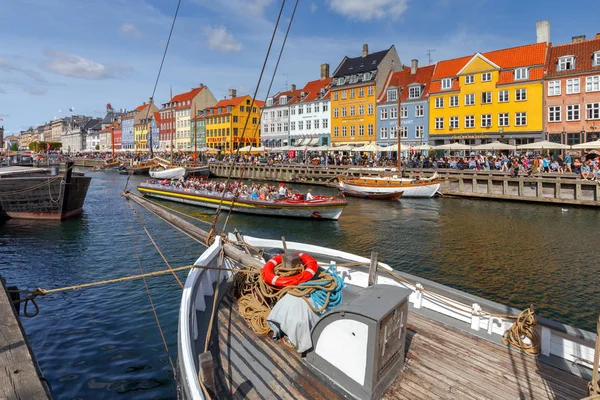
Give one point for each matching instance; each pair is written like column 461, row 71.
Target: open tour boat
column 321, row 207
column 424, row 187
column 392, row 336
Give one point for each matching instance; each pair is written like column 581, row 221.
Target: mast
column 112, row 138
column 195, row 138
column 398, row 129
column 171, row 117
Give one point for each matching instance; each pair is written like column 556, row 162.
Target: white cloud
column 221, row 40
column 7, row 67
column 130, row 30
column 366, row 10
column 313, row 7
column 75, row 66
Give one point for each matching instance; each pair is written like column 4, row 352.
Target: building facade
column 407, row 90
column 186, row 105
column 141, row 130
column 275, row 121
column 58, row 127
column 491, row 96
column 226, row 120
column 153, row 138
column 572, row 91
column 199, row 130
column 355, row 86
column 117, row 135
column 127, row 131
column 166, row 128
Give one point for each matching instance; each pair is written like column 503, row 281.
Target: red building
column 117, row 135
column 166, row 128
column 572, row 91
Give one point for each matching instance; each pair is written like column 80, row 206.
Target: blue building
column 409, row 90
column 153, row 133
column 127, row 122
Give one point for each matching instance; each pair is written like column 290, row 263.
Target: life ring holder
column 310, row 269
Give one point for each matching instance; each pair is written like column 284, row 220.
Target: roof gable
column 183, row 98
column 478, row 63
column 582, row 51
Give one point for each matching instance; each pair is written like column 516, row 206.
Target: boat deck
column 441, row 362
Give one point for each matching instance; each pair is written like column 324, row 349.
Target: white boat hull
column 410, row 190
column 171, row 173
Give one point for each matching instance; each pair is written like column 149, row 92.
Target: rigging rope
column 36, row 186
column 522, row 334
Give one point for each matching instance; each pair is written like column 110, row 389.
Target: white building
column 275, row 120
column 310, row 115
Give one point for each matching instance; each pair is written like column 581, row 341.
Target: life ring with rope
column 310, row 269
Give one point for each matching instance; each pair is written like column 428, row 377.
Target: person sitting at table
column 586, row 171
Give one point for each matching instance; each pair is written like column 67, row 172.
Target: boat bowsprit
column 320, row 207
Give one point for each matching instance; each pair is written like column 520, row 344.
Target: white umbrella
column 368, row 148
column 321, row 148
column 423, row 147
column 452, row 146
column 543, row 145
column 343, row 148
column 252, row 149
column 589, row 145
column 392, row 147
column 494, row 146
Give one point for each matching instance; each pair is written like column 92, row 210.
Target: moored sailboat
column 424, row 187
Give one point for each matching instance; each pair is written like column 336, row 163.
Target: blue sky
column 56, row 54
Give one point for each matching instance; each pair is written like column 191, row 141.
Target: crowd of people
column 239, row 189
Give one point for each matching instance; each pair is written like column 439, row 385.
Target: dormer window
column 322, row 92
column 302, row 96
column 269, row 102
column 446, row 83
column 392, row 94
column 228, row 109
column 414, row 92
column 596, row 59
column 566, row 63
column 283, row 100
column 366, row 76
column 521, row 74
column 354, row 79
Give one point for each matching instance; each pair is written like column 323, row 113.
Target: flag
column 48, row 146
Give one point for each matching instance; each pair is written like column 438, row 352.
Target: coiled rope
column 522, row 334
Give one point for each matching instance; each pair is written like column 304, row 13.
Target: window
column 370, row 90
column 394, row 132
column 486, row 97
column 392, row 94
column 469, row 79
column 592, row 111
column 521, row 73
column 283, row 100
column 521, row 119
column 446, row 83
column 352, row 111
column 308, row 108
column 344, row 129
column 361, row 130
column 566, row 63
column 292, row 126
column 419, row 131
column 486, row 77
column 453, row 122
column 503, row 119
column 573, row 112
column 573, row 86
column 502, row 96
column 384, row 132
column 469, row 99
column 300, row 110
column 384, row 113
column 361, row 110
column 370, row 131
column 414, row 92
column 308, row 124
column 403, row 112
column 344, row 112
column 335, row 113
column 404, row 132
column 596, row 59
column 554, row 114
column 352, row 93
column 352, row 130
column 344, row 94
column 393, row 113
column 300, row 125
column 439, row 102
column 453, row 101
column 235, row 118
column 279, row 127
column 361, row 92
column 521, row 94
column 370, row 109
column 336, row 131
column 486, row 120
column 325, row 123
column 279, row 113
column 293, row 111
column 439, row 123
column 470, row 121
column 592, row 83
column 419, row 111
column 554, row 88
column 335, row 95
column 325, row 107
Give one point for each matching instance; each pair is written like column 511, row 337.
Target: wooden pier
column 20, row 376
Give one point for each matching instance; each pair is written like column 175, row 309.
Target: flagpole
column 398, row 129
column 195, row 139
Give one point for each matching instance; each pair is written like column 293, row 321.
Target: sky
column 58, row 54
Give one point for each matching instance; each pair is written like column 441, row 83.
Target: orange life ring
column 310, row 269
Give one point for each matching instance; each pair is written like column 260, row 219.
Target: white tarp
column 293, row 317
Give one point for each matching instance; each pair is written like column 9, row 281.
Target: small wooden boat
column 426, row 187
column 140, row 169
column 320, row 207
column 372, row 195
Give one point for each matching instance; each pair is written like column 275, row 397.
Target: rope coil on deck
column 524, row 328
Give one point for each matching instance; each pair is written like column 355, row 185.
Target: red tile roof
column 448, row 68
column 535, row 74
column 312, row 89
column 236, row 101
column 521, row 56
column 292, row 94
column 140, row 108
column 157, row 117
column 404, row 78
column 583, row 57
column 184, row 97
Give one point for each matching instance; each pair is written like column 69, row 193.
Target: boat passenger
column 282, row 190
column 309, row 195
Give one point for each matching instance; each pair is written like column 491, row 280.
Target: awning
column 354, row 143
column 313, row 142
column 300, row 142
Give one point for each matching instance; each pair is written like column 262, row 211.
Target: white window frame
column 439, row 102
column 554, row 88
column 352, row 111
column 370, row 109
column 403, row 112
column 486, row 120
column 486, row 97
column 404, row 132
column 573, row 86
column 453, row 123
column 504, row 119
column 503, row 96
column 486, row 77
column 469, row 79
column 564, row 62
column 344, row 131
column 383, row 114
column 361, row 130
column 522, row 117
column 469, row 121
column 591, row 109
column 419, row 111
column 446, row 83
column 414, row 92
column 392, row 95
column 439, row 123
column 453, row 101
column 383, row 132
column 394, row 113
column 592, row 83
column 554, row 113
column 335, row 113
column 521, row 74
column 471, row 97
column 522, row 93
column 419, row 131
column 370, row 91
column 575, row 111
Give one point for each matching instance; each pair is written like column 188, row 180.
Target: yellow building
column 225, row 123
column 140, row 134
column 492, row 96
column 355, row 86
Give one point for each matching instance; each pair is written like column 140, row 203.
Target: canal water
column 103, row 342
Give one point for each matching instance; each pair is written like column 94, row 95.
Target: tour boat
column 394, row 336
column 167, row 173
column 425, row 187
column 320, row 207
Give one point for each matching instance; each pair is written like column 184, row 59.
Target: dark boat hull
column 393, row 196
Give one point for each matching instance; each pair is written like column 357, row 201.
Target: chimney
column 598, row 35
column 324, row 71
column 578, row 38
column 232, row 94
column 293, row 87
column 414, row 64
column 542, row 31
column 365, row 50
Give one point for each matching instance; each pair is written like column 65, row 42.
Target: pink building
column 572, row 91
